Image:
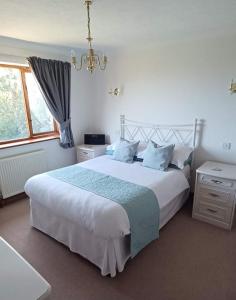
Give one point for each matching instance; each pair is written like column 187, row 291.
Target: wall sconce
column 114, row 92
column 233, row 87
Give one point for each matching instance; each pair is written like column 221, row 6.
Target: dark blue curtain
column 54, row 79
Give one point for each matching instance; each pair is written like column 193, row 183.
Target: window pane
column 42, row 120
column 13, row 123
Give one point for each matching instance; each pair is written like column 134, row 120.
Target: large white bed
column 96, row 227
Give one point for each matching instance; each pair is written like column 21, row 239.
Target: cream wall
column 16, row 51
column 174, row 83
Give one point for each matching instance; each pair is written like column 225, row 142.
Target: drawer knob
column 212, row 210
column 213, row 195
column 216, row 181
column 85, row 152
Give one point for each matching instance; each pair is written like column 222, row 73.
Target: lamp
column 91, row 59
column 232, row 87
column 114, row 92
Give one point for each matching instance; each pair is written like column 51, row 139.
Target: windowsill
column 30, row 141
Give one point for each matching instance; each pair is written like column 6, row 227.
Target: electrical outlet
column 226, row 146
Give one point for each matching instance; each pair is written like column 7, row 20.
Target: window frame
column 33, row 137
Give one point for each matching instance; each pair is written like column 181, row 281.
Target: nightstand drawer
column 214, row 181
column 217, row 197
column 82, row 158
column 86, row 154
column 222, row 214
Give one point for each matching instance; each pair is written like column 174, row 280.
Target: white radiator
column 15, row 170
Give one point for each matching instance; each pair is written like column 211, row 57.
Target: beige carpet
column 191, row 261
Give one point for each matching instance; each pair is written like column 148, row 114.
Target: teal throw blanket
column 139, row 202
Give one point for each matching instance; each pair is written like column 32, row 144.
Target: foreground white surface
column 94, row 226
column 18, row 279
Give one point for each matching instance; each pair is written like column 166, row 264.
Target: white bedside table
column 86, row 152
column 215, row 191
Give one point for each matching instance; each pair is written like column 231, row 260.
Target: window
column 24, row 114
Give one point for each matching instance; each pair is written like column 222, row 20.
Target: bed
column 94, row 226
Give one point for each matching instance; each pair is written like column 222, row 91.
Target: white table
column 18, row 279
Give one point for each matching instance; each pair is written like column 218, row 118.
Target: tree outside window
column 23, row 111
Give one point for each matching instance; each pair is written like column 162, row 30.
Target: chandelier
column 90, row 59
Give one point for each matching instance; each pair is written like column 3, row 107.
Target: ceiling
column 116, row 23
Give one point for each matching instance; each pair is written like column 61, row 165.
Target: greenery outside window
column 24, row 114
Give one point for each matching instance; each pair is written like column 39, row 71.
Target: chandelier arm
column 81, row 62
column 101, row 65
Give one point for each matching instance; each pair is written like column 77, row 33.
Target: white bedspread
column 99, row 215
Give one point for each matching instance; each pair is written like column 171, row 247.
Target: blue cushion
column 158, row 157
column 125, row 151
column 109, row 152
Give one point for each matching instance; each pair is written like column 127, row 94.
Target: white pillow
column 181, row 155
column 141, row 149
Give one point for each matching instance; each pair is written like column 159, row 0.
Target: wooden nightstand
column 86, row 152
column 215, row 191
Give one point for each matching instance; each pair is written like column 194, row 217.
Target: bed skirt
column 110, row 255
